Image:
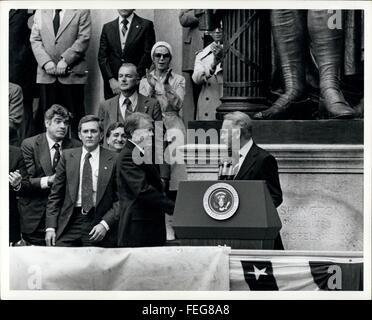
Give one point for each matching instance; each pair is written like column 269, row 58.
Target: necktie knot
column 58, row 11
column 88, row 156
column 128, row 104
column 124, row 22
column 56, row 146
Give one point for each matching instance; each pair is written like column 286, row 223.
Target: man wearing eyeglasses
column 128, row 38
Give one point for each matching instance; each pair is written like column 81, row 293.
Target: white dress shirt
column 52, row 151
column 133, row 99
column 123, row 39
column 242, row 154
column 61, row 15
column 94, row 162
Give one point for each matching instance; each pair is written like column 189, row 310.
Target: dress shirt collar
column 94, row 153
column 129, row 19
column 133, row 99
column 245, row 149
column 51, row 142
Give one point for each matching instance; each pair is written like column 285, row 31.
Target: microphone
column 225, row 170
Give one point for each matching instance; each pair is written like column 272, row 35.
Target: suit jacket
column 109, row 110
column 22, row 64
column 142, row 202
column 38, row 163
column 64, row 193
column 71, row 43
column 192, row 37
column 137, row 50
column 16, row 162
column 261, row 165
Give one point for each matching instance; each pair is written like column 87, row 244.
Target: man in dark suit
column 41, row 154
column 81, row 205
column 129, row 100
column 22, row 64
column 143, row 203
column 18, row 185
column 129, row 38
column 250, row 162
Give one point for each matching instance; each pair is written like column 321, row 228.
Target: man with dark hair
column 41, row 154
column 115, row 136
column 143, row 203
column 251, row 162
column 128, row 38
column 81, row 205
column 129, row 100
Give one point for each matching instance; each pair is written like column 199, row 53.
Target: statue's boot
column 327, row 46
column 289, row 29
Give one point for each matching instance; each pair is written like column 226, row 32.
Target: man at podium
column 249, row 162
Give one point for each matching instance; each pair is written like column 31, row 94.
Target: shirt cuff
column 104, row 223
column 44, row 183
column 50, row 229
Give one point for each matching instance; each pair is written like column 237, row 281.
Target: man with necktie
column 129, row 100
column 250, row 162
column 41, row 154
column 81, row 207
column 128, row 38
column 59, row 40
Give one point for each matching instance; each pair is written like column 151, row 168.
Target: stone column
column 247, row 63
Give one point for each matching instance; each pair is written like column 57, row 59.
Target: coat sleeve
column 57, row 195
column 27, row 148
column 81, row 44
column 103, row 55
column 149, row 41
column 271, row 176
column 133, row 178
column 15, row 105
column 41, row 56
column 25, row 183
column 201, row 70
column 187, row 18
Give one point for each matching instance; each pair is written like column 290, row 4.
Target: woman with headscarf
column 169, row 90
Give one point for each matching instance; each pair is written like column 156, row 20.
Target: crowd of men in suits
column 77, row 182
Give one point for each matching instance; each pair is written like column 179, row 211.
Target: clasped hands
column 15, row 179
column 56, row 70
column 152, row 79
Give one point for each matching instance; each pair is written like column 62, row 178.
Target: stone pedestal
column 322, row 187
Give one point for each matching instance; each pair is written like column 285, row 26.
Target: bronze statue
column 294, row 31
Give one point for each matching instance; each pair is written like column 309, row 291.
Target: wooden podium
column 254, row 225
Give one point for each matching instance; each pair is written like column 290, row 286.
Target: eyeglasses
column 159, row 55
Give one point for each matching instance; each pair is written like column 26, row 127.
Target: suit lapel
column 44, row 152
column 142, row 104
column 115, row 33
column 47, row 16
column 104, row 172
column 68, row 16
column 134, row 30
column 248, row 162
column 73, row 173
column 114, row 110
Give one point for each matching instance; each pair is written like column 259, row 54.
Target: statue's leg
column 327, row 46
column 289, row 32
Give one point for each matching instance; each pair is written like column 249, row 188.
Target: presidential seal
column 221, row 201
